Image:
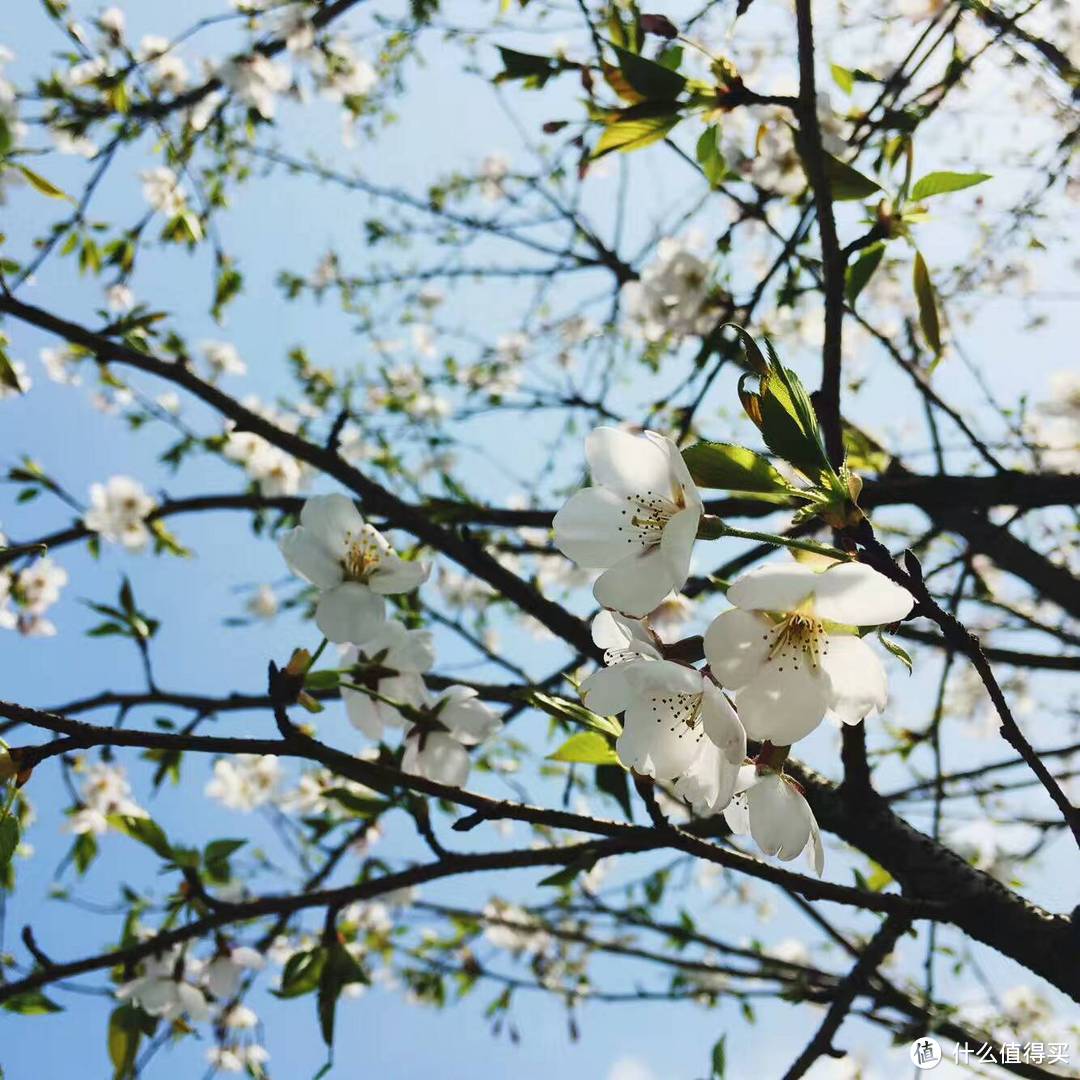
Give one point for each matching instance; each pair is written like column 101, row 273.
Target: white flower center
column 798, row 638
column 680, row 713
column 362, row 555
column 646, row 517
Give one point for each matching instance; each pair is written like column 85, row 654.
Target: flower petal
column 627, row 464
column 859, row 684
column 394, row 575
column 784, row 703
column 437, row 756
column 331, row 518
column 351, row 613
column 680, row 474
column 677, row 544
column 308, row 557
column 635, row 585
column 469, row 719
column 363, row 712
column 722, row 724
column 736, row 646
column 609, row 690
column 779, row 817
column 776, row 587
column 709, row 782
column 591, row 529
column 857, row 595
column 656, row 742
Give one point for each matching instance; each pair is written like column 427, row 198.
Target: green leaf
column 633, row 131
column 861, row 271
column 39, row 183
column 32, row 1003
column 9, row 839
column 566, row 875
column 846, row 183
column 843, row 78
column 221, row 849
column 533, row 70
column 302, row 974
column 928, row 312
column 789, row 424
column 84, row 851
column 8, row 377
column 589, row 747
column 940, row 183
column 145, row 830
column 733, row 468
column 327, row 679
column 562, row 709
column 340, row 970
column 755, row 358
column 710, row 158
column 901, row 654
column 653, row 81
column 719, row 1058
column 125, row 1033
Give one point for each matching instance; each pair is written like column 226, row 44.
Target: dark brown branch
column 879, row 947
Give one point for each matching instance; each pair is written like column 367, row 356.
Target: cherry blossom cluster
column 786, row 654
column 354, row 569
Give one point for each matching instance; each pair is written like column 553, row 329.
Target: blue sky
column 448, row 120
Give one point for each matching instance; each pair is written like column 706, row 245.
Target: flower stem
column 785, row 541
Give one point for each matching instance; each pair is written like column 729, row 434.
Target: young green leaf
column 9, row 839
column 653, row 81
column 861, row 271
column 588, row 747
column 709, row 156
column 733, row 468
column 843, row 78
column 31, row 1003
column 144, row 830
column 39, row 183
column 900, row 653
column 634, row 131
column 846, row 183
column 928, row 312
column 125, row 1033
column 940, row 183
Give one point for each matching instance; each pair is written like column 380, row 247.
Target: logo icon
column 926, row 1053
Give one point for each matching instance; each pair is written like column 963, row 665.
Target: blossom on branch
column 351, row 564
column 637, row 523
column 118, row 511
column 790, row 651
column 771, row 807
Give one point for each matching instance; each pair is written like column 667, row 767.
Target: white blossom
column 638, row 521
column 402, row 656
column 119, row 297
column 494, row 169
column 118, row 512
column 245, row 781
column 263, row 603
column 671, row 299
column 352, row 566
column 226, row 971
column 158, row 991
column 162, row 190
column 789, row 650
column 771, row 807
column 105, row 791
column 223, row 359
column 257, row 81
